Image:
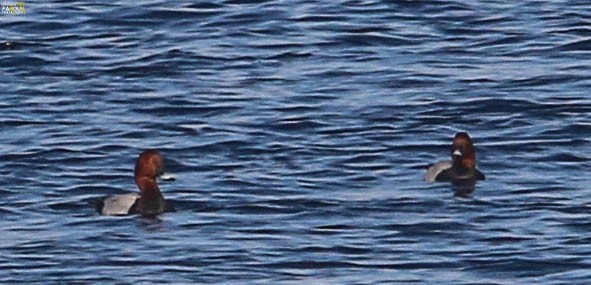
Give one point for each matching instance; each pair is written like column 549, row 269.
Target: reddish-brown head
column 149, row 164
column 462, row 151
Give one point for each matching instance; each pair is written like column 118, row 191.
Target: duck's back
column 118, row 204
column 436, row 169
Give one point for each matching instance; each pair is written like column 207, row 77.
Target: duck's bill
column 457, row 152
column 167, row 177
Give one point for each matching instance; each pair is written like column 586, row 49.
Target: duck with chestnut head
column 461, row 167
column 148, row 167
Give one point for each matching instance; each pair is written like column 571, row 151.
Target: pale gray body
column 435, row 169
column 119, row 204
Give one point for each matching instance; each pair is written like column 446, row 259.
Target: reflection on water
column 463, row 188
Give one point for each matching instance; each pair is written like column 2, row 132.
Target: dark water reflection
column 463, row 188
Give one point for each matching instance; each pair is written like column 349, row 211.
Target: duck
column 150, row 201
column 461, row 167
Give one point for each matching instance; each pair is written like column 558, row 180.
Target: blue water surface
column 299, row 132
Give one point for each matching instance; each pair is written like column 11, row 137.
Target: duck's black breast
column 151, row 207
column 452, row 174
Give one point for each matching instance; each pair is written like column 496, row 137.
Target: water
column 299, row 132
